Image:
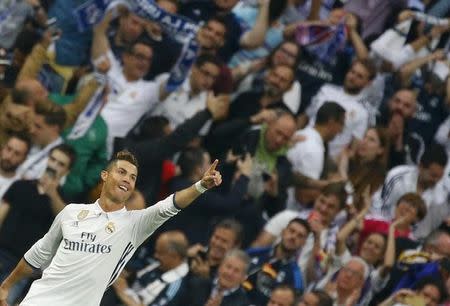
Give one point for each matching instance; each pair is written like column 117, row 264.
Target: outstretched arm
column 211, row 178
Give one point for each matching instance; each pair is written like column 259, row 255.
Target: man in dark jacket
column 271, row 171
column 151, row 160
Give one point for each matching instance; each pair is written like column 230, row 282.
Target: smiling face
column 119, row 181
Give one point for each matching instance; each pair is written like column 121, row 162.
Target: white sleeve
column 42, row 252
column 278, row 222
column 146, row 221
column 316, row 103
column 361, row 125
column 116, row 67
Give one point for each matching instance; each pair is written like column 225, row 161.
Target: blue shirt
column 266, row 272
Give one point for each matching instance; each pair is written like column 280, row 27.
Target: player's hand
column 3, row 296
column 212, row 177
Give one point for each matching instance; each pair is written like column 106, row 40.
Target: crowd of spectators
column 330, row 119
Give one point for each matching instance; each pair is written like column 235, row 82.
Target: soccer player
column 88, row 245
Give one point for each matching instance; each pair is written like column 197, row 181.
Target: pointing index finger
column 213, row 166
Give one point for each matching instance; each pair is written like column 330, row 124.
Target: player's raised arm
column 210, row 179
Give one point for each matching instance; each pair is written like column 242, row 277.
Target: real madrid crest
column 82, row 214
column 110, row 227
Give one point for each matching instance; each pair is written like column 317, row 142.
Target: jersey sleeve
column 146, row 221
column 41, row 253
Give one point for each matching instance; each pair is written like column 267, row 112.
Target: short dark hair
column 434, row 154
column 430, row 280
column 152, row 127
column 22, row 136
column 68, row 150
column 142, row 40
column 126, row 156
column 54, row 114
column 329, row 111
column 26, row 40
column 302, row 222
column 207, row 58
column 190, row 159
column 415, row 200
column 338, row 190
column 219, row 19
column 289, row 288
column 234, row 226
column 20, row 96
column 369, row 65
column 324, row 298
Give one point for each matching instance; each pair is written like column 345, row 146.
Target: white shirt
column 34, row 166
column 86, row 249
column 356, row 116
column 401, row 180
column 127, row 102
column 307, row 157
column 179, row 105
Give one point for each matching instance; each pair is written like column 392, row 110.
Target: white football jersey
column 86, row 249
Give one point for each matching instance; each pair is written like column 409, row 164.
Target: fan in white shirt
column 422, row 179
column 88, row 245
column 308, row 156
column 130, row 96
column 352, row 99
column 12, row 154
column 192, row 95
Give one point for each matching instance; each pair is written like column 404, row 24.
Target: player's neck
column 109, row 205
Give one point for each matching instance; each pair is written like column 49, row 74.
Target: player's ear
column 104, row 175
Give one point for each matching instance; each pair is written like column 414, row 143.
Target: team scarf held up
column 180, row 28
column 322, row 40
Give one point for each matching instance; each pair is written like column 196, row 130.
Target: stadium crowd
column 330, row 118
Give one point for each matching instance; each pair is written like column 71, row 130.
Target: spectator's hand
column 215, row 300
column 400, row 295
column 212, row 177
column 49, row 36
column 245, row 166
column 153, row 29
column 400, row 221
column 200, row 267
column 218, row 106
column 120, row 284
column 264, row 116
column 351, row 21
column 102, row 64
column 3, row 296
column 315, row 223
column 438, row 55
column 406, row 14
column 271, row 186
column 438, row 30
column 193, row 250
column 395, row 129
column 296, row 139
column 49, row 185
column 353, row 298
column 231, row 158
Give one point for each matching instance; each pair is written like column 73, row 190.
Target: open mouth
column 123, row 188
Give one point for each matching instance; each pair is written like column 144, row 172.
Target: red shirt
column 373, row 225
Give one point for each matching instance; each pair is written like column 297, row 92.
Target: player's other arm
column 38, row 256
column 21, row 271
